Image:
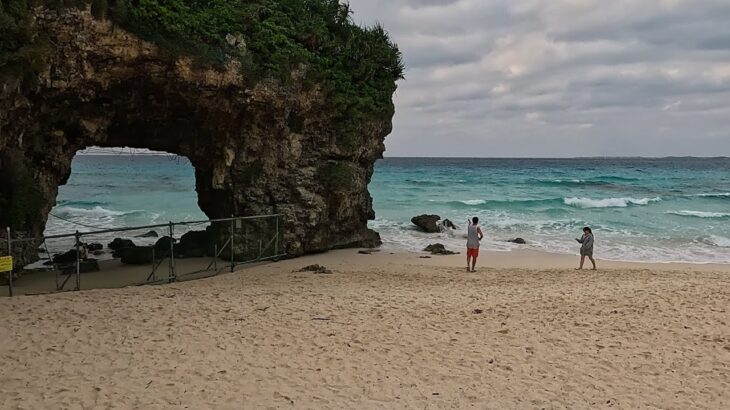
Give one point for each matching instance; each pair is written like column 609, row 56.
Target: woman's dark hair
column 587, row 229
column 475, row 220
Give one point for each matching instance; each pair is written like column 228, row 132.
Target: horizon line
column 164, row 154
column 575, row 157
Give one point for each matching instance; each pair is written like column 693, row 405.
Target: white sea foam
column 714, row 195
column 700, row 214
column 474, row 202
column 95, row 211
column 715, row 240
column 607, row 202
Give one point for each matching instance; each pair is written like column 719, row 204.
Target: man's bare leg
column 468, row 260
column 473, row 264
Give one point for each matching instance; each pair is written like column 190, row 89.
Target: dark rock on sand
column 368, row 251
column 94, row 247
column 438, row 249
column 427, row 223
column 194, row 244
column 518, row 241
column 150, row 234
column 163, row 246
column 66, row 257
column 137, row 255
column 119, row 243
column 315, row 269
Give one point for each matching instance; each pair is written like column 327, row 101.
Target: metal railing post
column 154, row 266
column 215, row 258
column 172, row 277
column 78, row 261
column 276, row 242
column 10, row 273
column 232, row 242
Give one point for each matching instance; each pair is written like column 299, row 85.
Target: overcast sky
column 493, row 78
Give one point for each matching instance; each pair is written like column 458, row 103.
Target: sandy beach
column 381, row 331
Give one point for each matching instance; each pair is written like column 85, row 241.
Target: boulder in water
column 94, row 247
column 438, row 249
column 150, row 234
column 519, row 241
column 119, row 243
column 427, row 223
column 447, row 224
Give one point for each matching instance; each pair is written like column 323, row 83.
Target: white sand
column 402, row 333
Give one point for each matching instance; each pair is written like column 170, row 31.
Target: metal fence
column 141, row 255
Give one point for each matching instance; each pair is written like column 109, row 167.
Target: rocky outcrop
column 119, row 243
column 194, row 244
column 427, row 223
column 258, row 147
column 518, row 241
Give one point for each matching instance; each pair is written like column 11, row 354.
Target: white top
column 472, row 240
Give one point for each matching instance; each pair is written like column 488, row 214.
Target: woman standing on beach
column 586, row 248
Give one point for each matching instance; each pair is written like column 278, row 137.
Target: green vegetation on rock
column 357, row 67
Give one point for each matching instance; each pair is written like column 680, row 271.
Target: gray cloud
column 559, row 77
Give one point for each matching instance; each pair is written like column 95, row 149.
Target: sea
column 640, row 209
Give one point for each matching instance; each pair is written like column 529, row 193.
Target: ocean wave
column 432, row 183
column 713, row 195
column 71, row 203
column 473, row 202
column 607, row 202
column 495, row 203
column 715, row 240
column 700, row 214
column 95, row 211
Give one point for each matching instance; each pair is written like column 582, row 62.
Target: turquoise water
column 113, row 191
column 640, row 209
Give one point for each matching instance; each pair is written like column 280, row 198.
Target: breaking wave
column 701, row 214
column 608, row 202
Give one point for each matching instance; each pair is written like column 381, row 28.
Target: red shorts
column 472, row 252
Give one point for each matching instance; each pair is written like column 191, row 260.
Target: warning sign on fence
column 6, row 263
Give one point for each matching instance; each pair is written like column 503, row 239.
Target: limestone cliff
column 259, row 146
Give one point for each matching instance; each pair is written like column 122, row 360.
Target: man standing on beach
column 474, row 235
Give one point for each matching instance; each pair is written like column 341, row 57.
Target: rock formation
column 427, row 223
column 258, row 147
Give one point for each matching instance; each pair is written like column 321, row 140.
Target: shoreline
column 115, row 275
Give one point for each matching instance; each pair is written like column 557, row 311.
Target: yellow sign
column 6, row 263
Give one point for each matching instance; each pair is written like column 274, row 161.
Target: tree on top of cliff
column 271, row 38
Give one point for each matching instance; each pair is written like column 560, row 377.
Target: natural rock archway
column 257, row 149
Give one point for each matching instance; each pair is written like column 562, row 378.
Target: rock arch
column 256, row 149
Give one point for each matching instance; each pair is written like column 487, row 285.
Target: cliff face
column 259, row 147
